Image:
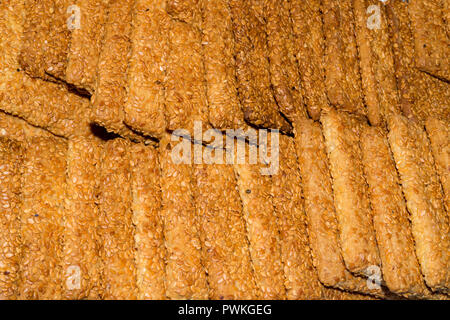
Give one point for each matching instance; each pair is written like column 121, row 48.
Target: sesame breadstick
column 185, row 89
column 220, row 66
column 341, row 63
column 439, row 134
column 223, row 234
column 46, row 105
column 376, row 61
column 284, row 74
column 81, row 260
column 185, row 273
column 422, row 190
column 301, row 278
column 85, row 44
column 354, row 216
column 36, row 27
column 57, row 40
column 421, row 95
column 252, row 68
column 149, row 238
column 321, row 214
column 11, row 156
column 400, row 268
column 144, row 108
column 115, row 222
column 18, row 129
column 431, row 38
column 42, row 219
column 309, row 51
column 188, row 11
column 262, row 230
column 110, row 88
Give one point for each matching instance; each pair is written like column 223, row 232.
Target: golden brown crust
column 400, row 268
column 321, row 215
column 144, row 108
column 150, row 252
column 185, row 94
column 309, row 48
column 110, row 88
column 431, row 39
column 262, row 230
column 422, row 190
column 42, row 219
column 185, row 273
column 36, row 27
column 11, row 156
column 57, row 40
column 224, row 243
column 301, row 278
column 185, row 10
column 376, row 61
column 284, row 74
column 18, row 129
column 224, row 107
column 85, row 44
column 357, row 237
column 439, row 134
column 421, row 95
column 342, row 79
column 115, row 222
column 81, row 260
column 252, row 67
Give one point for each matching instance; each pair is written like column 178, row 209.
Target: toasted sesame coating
column 42, row 219
column 37, row 15
column 321, row 214
column 11, row 156
column 252, row 68
column 81, row 260
column 439, row 134
column 46, row 105
column 144, row 108
column 354, row 216
column 301, row 278
column 376, row 61
column 218, row 41
column 185, row 86
column 342, row 78
column 309, row 51
column 185, row 273
column 421, row 95
column 188, row 11
column 57, row 40
column 223, row 233
column 85, row 44
column 400, row 268
column 431, row 37
column 115, row 222
column 284, row 73
column 110, row 88
column 150, row 254
column 423, row 194
column 18, row 129
column 262, row 230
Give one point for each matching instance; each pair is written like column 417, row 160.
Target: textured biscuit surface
column 359, row 249
column 422, row 190
column 149, row 238
column 42, row 219
column 185, row 273
column 115, row 222
column 11, row 156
